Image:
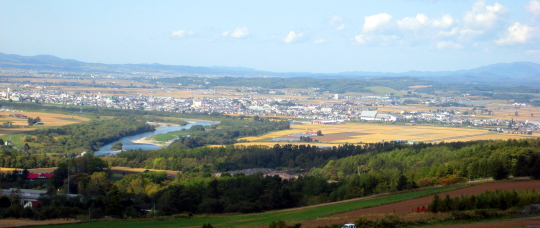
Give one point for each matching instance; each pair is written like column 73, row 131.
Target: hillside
column 508, row 74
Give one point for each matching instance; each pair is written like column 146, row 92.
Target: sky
column 281, row 36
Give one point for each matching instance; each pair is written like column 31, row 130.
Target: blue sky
column 281, row 36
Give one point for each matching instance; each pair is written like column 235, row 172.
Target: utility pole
column 68, row 168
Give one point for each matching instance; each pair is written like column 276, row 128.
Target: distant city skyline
column 278, row 36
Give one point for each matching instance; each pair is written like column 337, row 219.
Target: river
column 128, row 144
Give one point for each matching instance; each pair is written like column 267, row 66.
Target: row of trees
column 226, row 158
column 497, row 199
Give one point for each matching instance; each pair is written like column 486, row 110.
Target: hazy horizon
column 318, row 37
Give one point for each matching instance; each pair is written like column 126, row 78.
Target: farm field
column 404, row 208
column 38, row 170
column 28, row 222
column 384, row 91
column 48, row 119
column 295, row 215
column 501, row 110
column 521, row 222
column 372, row 133
column 327, row 214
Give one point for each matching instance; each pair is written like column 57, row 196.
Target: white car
column 349, row 225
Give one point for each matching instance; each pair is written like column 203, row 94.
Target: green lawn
column 382, row 91
column 291, row 216
column 171, row 135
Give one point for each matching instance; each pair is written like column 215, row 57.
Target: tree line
column 501, row 200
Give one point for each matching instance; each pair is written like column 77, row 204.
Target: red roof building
column 35, row 176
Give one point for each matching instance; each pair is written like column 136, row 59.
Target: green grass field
column 290, row 216
column 169, row 136
column 381, row 91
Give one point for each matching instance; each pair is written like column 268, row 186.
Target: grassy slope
column 382, row 91
column 296, row 215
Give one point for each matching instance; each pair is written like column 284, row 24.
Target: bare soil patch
column 347, row 134
column 522, row 222
column 419, row 86
column 405, row 208
column 330, row 138
column 27, row 222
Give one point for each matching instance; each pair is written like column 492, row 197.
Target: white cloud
column 341, row 27
column 361, row 39
column 181, row 33
column 237, row 33
column 240, row 32
column 335, row 19
column 533, row 52
column 469, row 34
column 293, row 37
column 461, row 34
column 482, row 16
column 534, row 7
column 413, row 23
column 320, row 41
column 452, row 32
column 517, row 33
column 374, row 39
column 448, row 45
column 444, row 22
column 377, row 21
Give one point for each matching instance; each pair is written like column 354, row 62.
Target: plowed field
column 405, row 208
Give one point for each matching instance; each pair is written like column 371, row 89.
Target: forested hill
column 384, row 162
column 472, row 160
column 509, row 74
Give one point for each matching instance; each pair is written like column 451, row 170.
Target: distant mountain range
column 507, row 74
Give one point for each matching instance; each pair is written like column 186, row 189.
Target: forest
column 376, row 168
column 87, row 136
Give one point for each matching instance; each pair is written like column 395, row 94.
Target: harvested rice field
column 372, row 133
column 48, row 119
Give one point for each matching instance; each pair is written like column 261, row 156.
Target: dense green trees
column 117, row 146
column 229, row 130
column 493, row 158
column 88, row 135
column 497, row 199
column 214, row 159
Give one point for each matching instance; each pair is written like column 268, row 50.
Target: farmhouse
column 368, row 115
column 38, row 176
column 26, row 195
column 33, row 204
column 375, row 116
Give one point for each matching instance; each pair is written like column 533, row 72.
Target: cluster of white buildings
column 328, row 113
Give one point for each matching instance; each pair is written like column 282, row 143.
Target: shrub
column 426, row 182
column 452, row 180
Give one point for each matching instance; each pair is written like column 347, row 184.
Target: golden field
column 38, row 170
column 501, row 110
column 48, row 119
column 372, row 133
